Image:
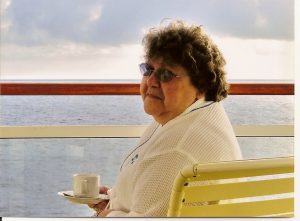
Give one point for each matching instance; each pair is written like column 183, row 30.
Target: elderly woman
column 182, row 86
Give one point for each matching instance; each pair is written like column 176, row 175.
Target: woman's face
column 166, row 100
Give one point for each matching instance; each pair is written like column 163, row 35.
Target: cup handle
column 83, row 187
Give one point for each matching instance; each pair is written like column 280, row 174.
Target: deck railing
column 129, row 88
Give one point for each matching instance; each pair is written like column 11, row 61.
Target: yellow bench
column 246, row 188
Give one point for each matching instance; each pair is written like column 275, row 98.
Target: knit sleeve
column 153, row 184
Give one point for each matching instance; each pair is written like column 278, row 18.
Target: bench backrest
column 246, row 188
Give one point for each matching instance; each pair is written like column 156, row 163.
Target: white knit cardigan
column 202, row 133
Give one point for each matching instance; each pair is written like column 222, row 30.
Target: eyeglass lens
column 162, row 74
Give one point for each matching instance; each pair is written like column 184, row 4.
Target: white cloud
column 4, row 26
column 4, row 23
column 261, row 21
column 71, row 61
column 119, row 21
column 257, row 58
column 4, row 4
column 100, row 38
column 95, row 13
column 246, row 59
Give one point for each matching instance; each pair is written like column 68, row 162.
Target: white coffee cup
column 86, row 185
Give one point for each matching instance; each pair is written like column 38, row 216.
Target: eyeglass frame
column 146, row 71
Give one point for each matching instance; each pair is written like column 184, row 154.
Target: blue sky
column 89, row 39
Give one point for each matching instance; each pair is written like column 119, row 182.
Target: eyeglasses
column 161, row 74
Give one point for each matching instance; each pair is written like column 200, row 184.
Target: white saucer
column 82, row 200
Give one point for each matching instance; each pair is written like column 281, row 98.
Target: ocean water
column 95, row 110
column 32, row 171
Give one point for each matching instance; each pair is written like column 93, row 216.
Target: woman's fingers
column 103, row 190
column 100, row 206
column 104, row 213
column 91, row 205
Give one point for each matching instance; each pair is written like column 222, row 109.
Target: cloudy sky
column 100, row 39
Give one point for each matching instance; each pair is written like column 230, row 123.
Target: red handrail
column 129, row 89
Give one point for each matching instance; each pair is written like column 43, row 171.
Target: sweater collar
column 196, row 105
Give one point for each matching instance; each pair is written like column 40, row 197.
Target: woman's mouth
column 152, row 96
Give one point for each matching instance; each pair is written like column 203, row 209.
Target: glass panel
column 32, row 171
column 266, row 147
column 260, row 109
column 118, row 110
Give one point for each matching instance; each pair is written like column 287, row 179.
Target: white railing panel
column 129, row 131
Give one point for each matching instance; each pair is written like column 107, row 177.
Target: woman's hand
column 104, row 213
column 102, row 206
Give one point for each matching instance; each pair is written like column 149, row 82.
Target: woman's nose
column 152, row 81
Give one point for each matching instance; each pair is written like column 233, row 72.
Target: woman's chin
column 151, row 110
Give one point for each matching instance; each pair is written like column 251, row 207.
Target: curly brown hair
column 188, row 46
